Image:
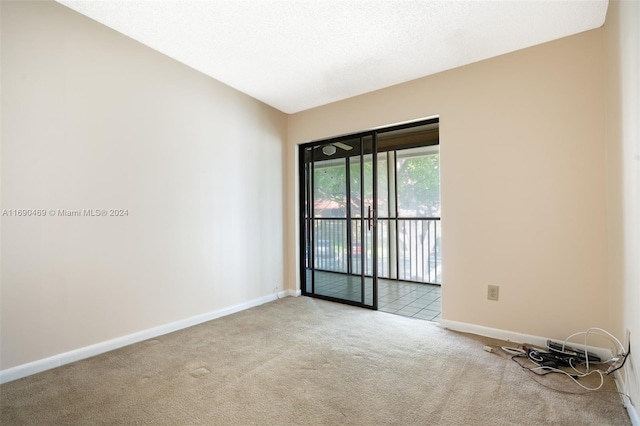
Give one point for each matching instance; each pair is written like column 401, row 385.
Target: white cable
column 513, row 351
column 573, row 378
column 594, row 330
column 586, row 372
column 532, row 357
column 601, row 332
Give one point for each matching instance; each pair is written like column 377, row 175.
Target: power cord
column 601, row 332
column 542, row 370
column 513, row 351
column 614, row 366
column 565, row 356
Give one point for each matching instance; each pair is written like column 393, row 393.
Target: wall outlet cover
column 493, row 292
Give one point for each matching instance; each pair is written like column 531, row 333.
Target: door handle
column 369, row 219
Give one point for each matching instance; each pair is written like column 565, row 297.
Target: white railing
column 408, row 249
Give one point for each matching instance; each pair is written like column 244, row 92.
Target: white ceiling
column 298, row 54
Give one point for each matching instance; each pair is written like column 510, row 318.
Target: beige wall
column 92, row 119
column 540, row 184
column 523, row 182
column 622, row 30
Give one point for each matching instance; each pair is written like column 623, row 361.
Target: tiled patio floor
column 409, row 299
column 404, row 298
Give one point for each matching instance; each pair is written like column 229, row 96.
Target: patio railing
column 408, row 249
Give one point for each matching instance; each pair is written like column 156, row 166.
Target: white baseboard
column 34, row 367
column 512, row 336
column 291, row 293
column 633, row 413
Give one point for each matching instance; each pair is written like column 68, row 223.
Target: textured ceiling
column 295, row 55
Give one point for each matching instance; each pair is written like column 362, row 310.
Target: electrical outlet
column 493, row 292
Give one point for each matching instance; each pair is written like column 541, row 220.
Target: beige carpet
column 305, row 361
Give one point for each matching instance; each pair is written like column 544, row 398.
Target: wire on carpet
column 569, row 361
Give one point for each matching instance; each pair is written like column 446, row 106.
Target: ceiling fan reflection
column 330, row 149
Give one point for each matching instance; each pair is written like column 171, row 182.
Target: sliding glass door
column 369, row 209
column 338, row 219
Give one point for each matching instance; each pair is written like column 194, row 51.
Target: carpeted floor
column 306, row 361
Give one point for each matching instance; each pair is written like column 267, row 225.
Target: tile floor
column 409, row 299
column 404, row 298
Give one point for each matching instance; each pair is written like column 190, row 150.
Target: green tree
column 418, row 180
column 330, row 186
column 418, row 183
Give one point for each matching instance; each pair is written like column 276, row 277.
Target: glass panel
column 330, row 244
column 391, row 188
column 383, row 248
column 308, row 281
column 369, row 208
column 330, row 188
column 393, row 252
column 341, row 286
column 307, row 181
column 383, row 214
column 306, row 190
column 368, row 184
column 368, row 251
column 329, row 202
column 354, row 184
column 331, row 238
column 418, row 180
column 383, row 186
column 356, row 246
column 368, row 291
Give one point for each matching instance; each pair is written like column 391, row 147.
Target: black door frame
column 306, row 217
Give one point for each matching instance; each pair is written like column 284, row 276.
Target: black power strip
column 572, row 352
column 552, row 359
